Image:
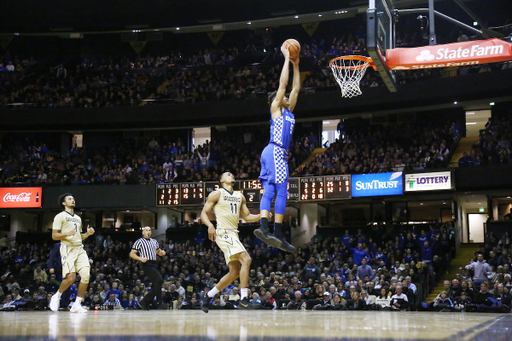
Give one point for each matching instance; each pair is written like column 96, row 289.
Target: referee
column 148, row 249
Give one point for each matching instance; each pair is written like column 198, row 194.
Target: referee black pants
column 153, row 273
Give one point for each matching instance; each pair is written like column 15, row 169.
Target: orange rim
column 353, row 57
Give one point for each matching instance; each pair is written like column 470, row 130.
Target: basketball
column 294, row 47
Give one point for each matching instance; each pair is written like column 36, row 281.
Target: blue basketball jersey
column 281, row 129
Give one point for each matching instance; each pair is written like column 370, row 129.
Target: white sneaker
column 55, row 302
column 77, row 308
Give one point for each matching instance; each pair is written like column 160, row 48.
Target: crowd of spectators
column 203, row 75
column 145, row 160
column 346, row 271
column 412, row 145
column 493, row 145
column 482, row 285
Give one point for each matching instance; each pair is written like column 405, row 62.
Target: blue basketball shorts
column 274, row 167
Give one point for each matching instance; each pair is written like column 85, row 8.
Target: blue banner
column 379, row 184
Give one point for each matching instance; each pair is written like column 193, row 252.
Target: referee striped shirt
column 146, row 247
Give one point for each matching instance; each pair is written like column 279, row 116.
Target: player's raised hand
column 285, row 51
column 90, row 230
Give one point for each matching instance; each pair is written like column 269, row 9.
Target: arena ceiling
column 36, row 16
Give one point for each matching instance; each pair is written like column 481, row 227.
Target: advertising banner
column 449, row 55
column 380, row 184
column 435, row 181
column 20, row 197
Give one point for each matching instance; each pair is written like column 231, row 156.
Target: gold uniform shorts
column 228, row 242
column 74, row 259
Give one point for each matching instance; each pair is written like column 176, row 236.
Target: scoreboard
column 168, row 194
column 299, row 189
column 338, row 187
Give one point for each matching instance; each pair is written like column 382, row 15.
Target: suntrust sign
column 20, row 197
column 434, row 181
column 448, row 55
column 366, row 185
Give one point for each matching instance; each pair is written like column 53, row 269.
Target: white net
column 348, row 74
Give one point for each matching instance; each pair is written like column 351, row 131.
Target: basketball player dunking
column 274, row 167
column 228, row 206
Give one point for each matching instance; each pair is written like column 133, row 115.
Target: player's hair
column 271, row 98
column 62, row 198
column 220, row 177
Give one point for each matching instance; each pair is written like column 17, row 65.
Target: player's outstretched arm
column 296, row 84
column 283, row 83
column 213, row 198
column 246, row 214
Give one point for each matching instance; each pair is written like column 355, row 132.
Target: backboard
column 381, row 37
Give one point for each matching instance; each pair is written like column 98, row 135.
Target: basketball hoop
column 348, row 71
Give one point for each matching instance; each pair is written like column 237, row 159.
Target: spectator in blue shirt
column 359, row 254
column 364, row 270
column 114, row 290
column 131, row 303
column 347, row 239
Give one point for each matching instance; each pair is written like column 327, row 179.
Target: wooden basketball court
column 253, row 325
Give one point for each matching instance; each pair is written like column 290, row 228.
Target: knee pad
column 84, row 274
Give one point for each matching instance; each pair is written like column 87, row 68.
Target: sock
column 213, row 292
column 78, row 300
column 264, row 223
column 58, row 294
column 278, row 229
column 243, row 293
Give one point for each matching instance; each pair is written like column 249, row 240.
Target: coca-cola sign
column 20, row 197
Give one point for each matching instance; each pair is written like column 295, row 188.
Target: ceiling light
column 455, row 102
column 470, row 113
column 296, row 17
column 177, row 28
column 319, row 15
column 249, row 23
column 492, row 103
column 470, row 123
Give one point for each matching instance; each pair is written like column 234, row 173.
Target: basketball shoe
column 205, row 302
column 55, row 302
column 77, row 308
column 268, row 238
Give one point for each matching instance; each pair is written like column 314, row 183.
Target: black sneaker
column 285, row 246
column 267, row 237
column 244, row 304
column 205, row 303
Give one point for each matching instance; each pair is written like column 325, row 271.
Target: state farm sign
column 448, row 55
column 20, row 197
